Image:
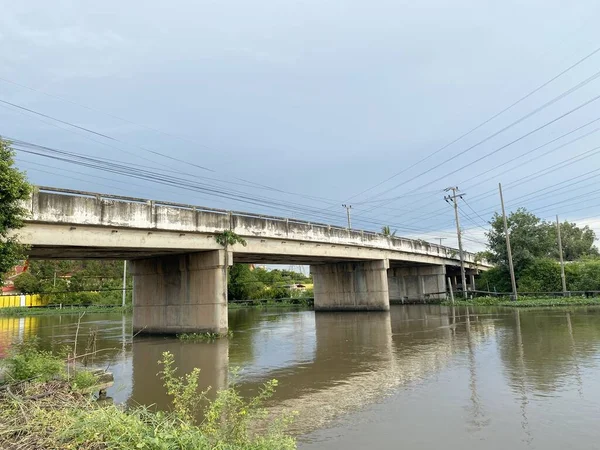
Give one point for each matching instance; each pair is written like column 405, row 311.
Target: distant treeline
column 100, row 282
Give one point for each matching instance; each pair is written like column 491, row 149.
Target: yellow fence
column 15, row 301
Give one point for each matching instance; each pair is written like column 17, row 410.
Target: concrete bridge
column 178, row 266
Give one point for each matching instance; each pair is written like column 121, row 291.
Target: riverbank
column 284, row 302
column 52, row 411
column 526, row 302
column 57, row 310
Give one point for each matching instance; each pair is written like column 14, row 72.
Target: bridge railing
column 242, row 220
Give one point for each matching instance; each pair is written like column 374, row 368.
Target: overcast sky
column 320, row 100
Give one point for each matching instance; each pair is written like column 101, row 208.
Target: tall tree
column 576, row 242
column 13, row 189
column 529, row 236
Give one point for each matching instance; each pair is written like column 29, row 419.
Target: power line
column 111, row 138
column 562, row 116
column 503, row 146
column 135, row 172
column 529, row 94
column 522, row 164
column 526, row 179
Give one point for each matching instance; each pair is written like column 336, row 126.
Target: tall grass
column 54, row 414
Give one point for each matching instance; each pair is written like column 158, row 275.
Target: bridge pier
column 180, row 294
column 351, row 286
column 417, row 283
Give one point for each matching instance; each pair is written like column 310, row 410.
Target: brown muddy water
column 418, row 377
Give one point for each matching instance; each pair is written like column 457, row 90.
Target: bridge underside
column 132, row 254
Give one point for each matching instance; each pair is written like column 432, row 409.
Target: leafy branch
column 228, row 237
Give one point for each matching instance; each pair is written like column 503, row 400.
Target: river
column 418, row 377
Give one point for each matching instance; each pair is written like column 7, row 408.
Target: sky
column 295, row 108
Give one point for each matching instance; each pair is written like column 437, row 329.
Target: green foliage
column 496, row 279
column 533, row 238
column 83, row 379
column 540, row 275
column 258, row 284
column 28, row 283
column 228, row 237
column 67, row 420
column 76, row 282
column 386, row 231
column 203, row 337
column 529, row 239
column 576, row 242
column 27, row 362
column 13, row 189
column 534, row 245
column 183, row 390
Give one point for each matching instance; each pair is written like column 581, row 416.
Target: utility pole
column 348, row 208
column 513, row 281
column 124, row 283
column 453, row 197
column 440, row 239
column 562, row 262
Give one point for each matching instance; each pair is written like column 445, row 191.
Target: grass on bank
column 526, row 302
column 56, row 310
column 78, row 309
column 43, row 408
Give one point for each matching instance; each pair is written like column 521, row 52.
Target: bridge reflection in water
column 328, row 362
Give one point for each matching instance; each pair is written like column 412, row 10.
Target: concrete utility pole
column 513, row 281
column 453, row 197
column 440, row 239
column 124, row 283
column 562, row 262
column 348, row 208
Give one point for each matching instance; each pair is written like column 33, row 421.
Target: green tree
column 529, row 237
column 243, row 283
column 28, row 283
column 13, row 189
column 576, row 242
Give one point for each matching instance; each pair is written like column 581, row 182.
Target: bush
column 541, row 275
column 27, row 362
column 68, row 420
column 83, row 379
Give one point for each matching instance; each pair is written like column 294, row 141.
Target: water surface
column 418, row 377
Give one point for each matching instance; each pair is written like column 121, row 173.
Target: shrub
column 69, row 420
column 83, row 379
column 27, row 362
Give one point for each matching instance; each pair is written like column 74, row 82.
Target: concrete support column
column 180, row 294
column 351, row 286
column 417, row 283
